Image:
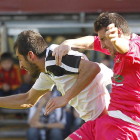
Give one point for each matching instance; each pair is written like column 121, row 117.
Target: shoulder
column 134, row 45
column 44, row 76
column 52, row 47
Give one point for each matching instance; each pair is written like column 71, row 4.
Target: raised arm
column 115, row 35
column 86, row 42
column 21, row 101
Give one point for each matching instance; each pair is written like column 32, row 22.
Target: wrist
column 69, row 43
column 67, row 98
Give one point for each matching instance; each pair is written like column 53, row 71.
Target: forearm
column 121, row 45
column 15, row 101
column 85, row 77
column 118, row 39
column 83, row 42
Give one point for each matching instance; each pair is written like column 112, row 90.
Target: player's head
column 106, row 18
column 30, row 41
column 30, row 47
column 6, row 61
column 100, row 27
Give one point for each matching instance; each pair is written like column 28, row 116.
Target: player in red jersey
column 123, row 119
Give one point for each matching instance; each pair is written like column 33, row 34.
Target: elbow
column 95, row 69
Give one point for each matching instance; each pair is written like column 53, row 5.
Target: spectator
column 10, row 77
column 48, row 127
column 73, row 120
column 77, row 120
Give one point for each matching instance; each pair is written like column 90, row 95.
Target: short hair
column 106, row 18
column 30, row 41
column 6, row 56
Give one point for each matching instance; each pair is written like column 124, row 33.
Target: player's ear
column 31, row 56
column 120, row 33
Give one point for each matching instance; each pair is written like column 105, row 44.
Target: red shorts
column 107, row 128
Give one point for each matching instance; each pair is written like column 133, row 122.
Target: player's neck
column 41, row 64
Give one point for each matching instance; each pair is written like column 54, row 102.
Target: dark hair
column 106, row 18
column 30, row 41
column 6, row 56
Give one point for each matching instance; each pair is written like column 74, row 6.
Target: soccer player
column 81, row 82
column 123, row 119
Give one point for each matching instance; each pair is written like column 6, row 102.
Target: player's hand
column 112, row 32
column 54, row 103
column 61, row 51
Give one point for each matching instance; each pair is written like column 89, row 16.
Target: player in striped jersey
column 81, row 82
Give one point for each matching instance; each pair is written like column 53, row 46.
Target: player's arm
column 23, row 100
column 87, row 72
column 86, row 42
column 116, row 36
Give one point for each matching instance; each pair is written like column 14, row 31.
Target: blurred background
column 56, row 21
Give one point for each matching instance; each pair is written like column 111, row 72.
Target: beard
column 34, row 70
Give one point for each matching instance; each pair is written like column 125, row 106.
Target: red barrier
column 68, row 6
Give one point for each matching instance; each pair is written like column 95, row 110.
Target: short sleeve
column 43, row 82
column 70, row 63
column 134, row 51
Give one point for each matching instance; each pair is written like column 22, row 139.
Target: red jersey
column 11, row 77
column 125, row 94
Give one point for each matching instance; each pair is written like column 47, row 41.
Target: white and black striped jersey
column 90, row 102
column 70, row 62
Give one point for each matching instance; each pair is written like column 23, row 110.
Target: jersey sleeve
column 97, row 46
column 70, row 64
column 134, row 51
column 43, row 82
